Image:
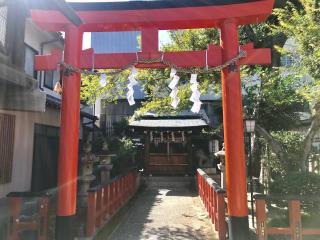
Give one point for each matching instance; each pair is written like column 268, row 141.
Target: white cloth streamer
column 195, row 96
column 173, row 86
column 131, row 84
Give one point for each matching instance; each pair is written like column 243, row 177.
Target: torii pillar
column 69, row 136
column 233, row 135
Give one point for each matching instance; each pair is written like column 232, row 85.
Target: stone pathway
column 164, row 214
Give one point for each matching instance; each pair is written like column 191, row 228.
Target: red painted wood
column 221, row 219
column 15, row 205
column 91, row 214
column 181, row 59
column 43, row 222
column 279, row 231
column 149, row 40
column 69, row 130
column 98, row 219
column 162, row 19
column 261, row 217
column 295, row 219
column 310, row 231
column 48, row 62
column 233, row 125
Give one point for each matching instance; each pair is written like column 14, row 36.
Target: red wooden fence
column 295, row 229
column 212, row 197
column 37, row 222
column 105, row 201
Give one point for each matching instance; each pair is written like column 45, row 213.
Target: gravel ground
column 163, row 214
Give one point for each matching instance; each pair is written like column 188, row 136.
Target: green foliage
column 115, row 87
column 292, row 145
column 124, row 148
column 302, row 25
column 192, row 39
column 275, row 102
column 296, row 183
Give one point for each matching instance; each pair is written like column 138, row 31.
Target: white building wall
column 23, row 147
column 25, row 121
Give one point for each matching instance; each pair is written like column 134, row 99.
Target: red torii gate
column 149, row 17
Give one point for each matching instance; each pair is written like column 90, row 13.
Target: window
column 3, row 25
column 50, row 79
column 7, row 128
column 30, row 53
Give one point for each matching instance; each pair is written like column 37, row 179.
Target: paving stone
column 165, row 214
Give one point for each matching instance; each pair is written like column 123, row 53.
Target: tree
column 301, row 24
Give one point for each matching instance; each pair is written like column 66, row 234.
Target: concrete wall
column 23, row 147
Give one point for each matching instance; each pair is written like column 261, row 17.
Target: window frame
column 3, row 46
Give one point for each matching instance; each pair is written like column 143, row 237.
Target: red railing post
column 91, row 213
column 295, row 219
column 122, row 189
column 98, row 206
column 111, row 194
column 117, row 194
column 106, row 201
column 261, row 216
column 216, row 212
column 211, row 207
column 43, row 211
column 15, row 204
column 221, row 214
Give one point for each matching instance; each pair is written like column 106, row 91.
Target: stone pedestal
column 105, row 167
column 84, row 185
column 221, row 154
column 105, row 170
column 87, row 159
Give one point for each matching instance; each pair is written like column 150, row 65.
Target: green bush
column 299, row 184
column 124, row 149
column 296, row 183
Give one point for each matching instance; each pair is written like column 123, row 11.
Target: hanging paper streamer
column 195, row 96
column 173, row 86
column 132, row 82
column 103, row 80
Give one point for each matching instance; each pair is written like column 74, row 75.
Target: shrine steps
column 169, row 182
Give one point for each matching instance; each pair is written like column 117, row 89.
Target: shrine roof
column 169, row 123
column 184, row 119
column 160, row 14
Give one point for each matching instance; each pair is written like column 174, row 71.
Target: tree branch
column 314, row 127
column 274, row 144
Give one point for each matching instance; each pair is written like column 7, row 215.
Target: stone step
column 169, row 182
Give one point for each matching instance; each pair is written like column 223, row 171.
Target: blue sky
column 163, row 35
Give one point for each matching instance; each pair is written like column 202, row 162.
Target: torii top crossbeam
column 149, row 17
column 159, row 14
